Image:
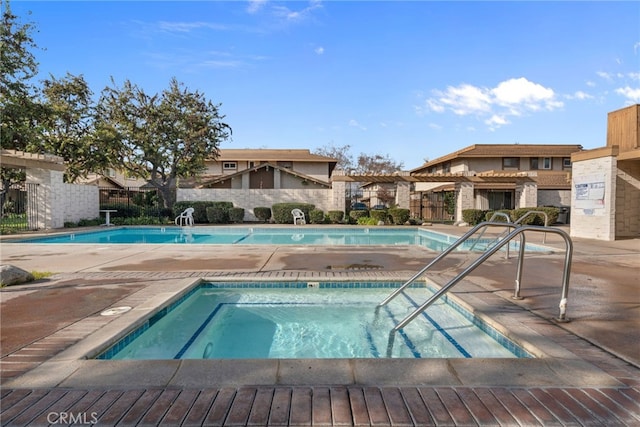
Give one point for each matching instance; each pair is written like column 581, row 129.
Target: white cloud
column 633, row 94
column 290, row 15
column 580, row 95
column 510, row 98
column 354, row 123
column 319, row 50
column 256, row 5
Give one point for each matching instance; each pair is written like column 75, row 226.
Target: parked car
column 359, row 207
column 379, row 207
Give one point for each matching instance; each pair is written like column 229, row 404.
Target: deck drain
column 115, row 311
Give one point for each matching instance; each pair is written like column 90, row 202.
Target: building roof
column 506, row 150
column 272, row 155
column 204, row 182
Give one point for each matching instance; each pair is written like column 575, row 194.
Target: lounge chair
column 298, row 217
column 185, row 217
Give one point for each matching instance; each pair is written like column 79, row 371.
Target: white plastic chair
column 298, row 217
column 186, row 216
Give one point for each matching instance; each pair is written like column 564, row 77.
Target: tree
column 341, row 154
column 376, row 164
column 18, row 106
column 18, row 109
column 162, row 137
column 68, row 126
column 366, row 164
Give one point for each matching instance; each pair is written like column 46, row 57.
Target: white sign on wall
column 589, row 193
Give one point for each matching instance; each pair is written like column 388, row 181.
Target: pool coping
column 553, row 366
column 32, row 239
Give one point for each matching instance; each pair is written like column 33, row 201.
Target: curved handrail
column 443, row 254
column 495, row 214
column 518, row 231
column 546, row 221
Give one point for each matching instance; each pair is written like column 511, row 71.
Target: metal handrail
column 517, row 231
column 546, row 221
column 443, row 254
column 495, row 214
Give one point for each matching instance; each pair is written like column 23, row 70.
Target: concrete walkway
column 586, row 371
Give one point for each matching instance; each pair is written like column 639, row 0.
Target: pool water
column 308, row 320
column 266, row 236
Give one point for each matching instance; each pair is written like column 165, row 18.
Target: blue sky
column 414, row 80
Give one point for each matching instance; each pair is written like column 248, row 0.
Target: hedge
column 537, row 219
column 200, row 209
column 335, row 217
column 380, row 215
column 399, row 215
column 236, row 215
column 356, row 215
column 282, row 211
column 499, row 218
column 473, row 216
column 262, row 213
column 316, row 216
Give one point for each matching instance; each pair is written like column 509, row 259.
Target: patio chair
column 185, row 217
column 298, row 217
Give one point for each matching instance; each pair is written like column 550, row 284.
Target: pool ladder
column 517, row 230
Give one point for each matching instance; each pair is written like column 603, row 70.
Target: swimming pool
column 266, row 236
column 255, row 320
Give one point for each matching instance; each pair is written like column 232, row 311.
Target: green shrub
column 217, row 215
column 500, row 218
column 537, row 219
column 365, row 220
column 200, row 209
column 399, row 215
column 282, row 211
column 356, row 215
column 123, row 211
column 473, row 216
column 138, row 220
column 262, row 213
column 89, row 222
column 316, row 216
column 335, row 217
column 236, row 215
column 380, row 215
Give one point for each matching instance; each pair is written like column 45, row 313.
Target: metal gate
column 434, row 206
column 21, row 210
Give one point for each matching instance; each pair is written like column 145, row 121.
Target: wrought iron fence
column 21, row 210
column 132, row 202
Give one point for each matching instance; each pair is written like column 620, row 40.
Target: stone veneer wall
column 594, row 223
column 250, row 199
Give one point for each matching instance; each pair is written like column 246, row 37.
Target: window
column 510, row 163
column 446, row 167
column 566, row 163
column 229, row 166
column 534, row 163
column 286, row 165
column 547, row 163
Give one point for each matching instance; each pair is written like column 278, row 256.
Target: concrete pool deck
column 586, row 372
